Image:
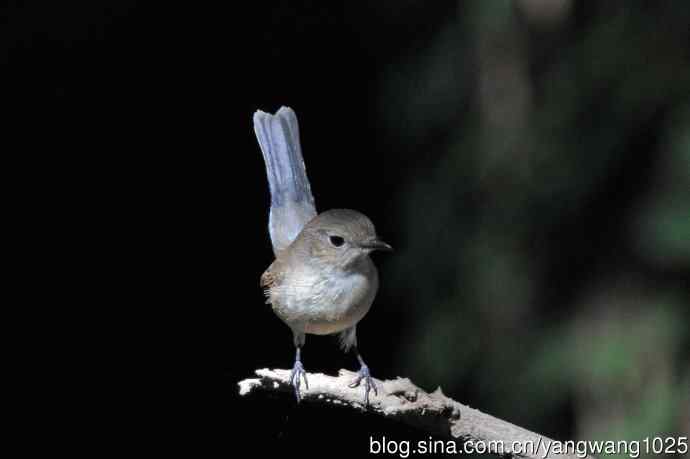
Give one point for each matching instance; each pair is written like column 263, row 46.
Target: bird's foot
column 296, row 378
column 369, row 384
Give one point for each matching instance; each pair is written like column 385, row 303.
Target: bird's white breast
column 327, row 300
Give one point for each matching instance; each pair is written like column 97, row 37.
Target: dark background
column 529, row 161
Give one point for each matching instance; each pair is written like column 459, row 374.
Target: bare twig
column 435, row 413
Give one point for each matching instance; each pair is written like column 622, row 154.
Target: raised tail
column 292, row 204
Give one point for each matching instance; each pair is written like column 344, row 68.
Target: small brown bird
column 322, row 280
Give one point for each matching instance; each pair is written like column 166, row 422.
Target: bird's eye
column 337, row 241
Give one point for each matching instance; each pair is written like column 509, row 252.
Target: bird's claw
column 369, row 384
column 296, row 378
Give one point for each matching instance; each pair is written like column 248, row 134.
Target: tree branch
column 435, row 413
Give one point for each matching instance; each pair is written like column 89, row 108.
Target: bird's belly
column 326, row 318
column 329, row 305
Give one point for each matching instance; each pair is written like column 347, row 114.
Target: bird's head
column 340, row 236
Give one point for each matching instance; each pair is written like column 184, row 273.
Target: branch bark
column 435, row 413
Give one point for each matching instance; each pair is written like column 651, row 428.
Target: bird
column 322, row 281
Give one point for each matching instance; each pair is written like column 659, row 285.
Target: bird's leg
column 298, row 373
column 363, row 374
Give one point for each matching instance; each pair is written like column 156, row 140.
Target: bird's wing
column 292, row 204
column 271, row 278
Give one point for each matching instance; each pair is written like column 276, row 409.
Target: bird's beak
column 376, row 244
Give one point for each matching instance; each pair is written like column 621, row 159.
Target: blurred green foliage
column 546, row 261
